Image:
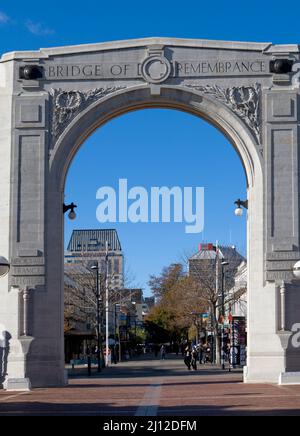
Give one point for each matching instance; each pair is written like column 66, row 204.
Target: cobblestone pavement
column 150, row 387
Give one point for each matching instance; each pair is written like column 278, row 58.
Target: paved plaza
column 150, row 387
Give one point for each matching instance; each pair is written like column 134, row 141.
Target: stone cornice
column 44, row 53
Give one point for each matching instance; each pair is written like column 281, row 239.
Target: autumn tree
column 177, row 299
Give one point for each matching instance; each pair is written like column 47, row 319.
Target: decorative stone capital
column 244, row 101
column 67, row 104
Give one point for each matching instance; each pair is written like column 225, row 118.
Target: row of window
column 114, row 265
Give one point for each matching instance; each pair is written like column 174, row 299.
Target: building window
column 116, row 266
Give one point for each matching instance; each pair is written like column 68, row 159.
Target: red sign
column 209, row 247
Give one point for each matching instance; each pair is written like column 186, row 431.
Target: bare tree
column 81, row 293
column 80, row 296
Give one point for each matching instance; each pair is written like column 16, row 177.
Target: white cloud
column 38, row 29
column 4, row 18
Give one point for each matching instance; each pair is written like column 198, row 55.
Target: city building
column 236, row 316
column 150, row 302
column 237, row 295
column 87, row 246
column 202, row 265
column 217, row 270
column 133, row 297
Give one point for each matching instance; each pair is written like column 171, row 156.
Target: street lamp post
column 223, row 264
column 135, row 317
column 296, row 270
column 4, row 266
column 239, row 204
column 106, row 305
column 116, row 329
column 95, row 267
column 70, row 207
column 215, row 335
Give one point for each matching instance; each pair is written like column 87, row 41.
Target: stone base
column 289, row 378
column 17, row 384
column 251, row 376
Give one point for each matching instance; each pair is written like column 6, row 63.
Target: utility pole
column 96, row 268
column 223, row 264
column 106, row 305
column 223, row 316
column 120, row 350
column 119, row 330
column 115, row 344
column 98, row 322
column 217, row 341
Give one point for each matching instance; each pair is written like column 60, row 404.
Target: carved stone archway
column 52, row 99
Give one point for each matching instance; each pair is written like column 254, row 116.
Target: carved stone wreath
column 243, row 100
column 68, row 104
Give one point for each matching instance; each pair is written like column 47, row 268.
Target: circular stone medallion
column 156, row 69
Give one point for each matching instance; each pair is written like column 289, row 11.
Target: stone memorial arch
column 51, row 100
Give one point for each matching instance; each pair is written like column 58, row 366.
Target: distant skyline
column 153, row 147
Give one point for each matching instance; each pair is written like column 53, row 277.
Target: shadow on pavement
column 150, row 367
column 96, row 409
column 132, row 385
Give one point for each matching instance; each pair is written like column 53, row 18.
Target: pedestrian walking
column 188, row 357
column 162, row 352
column 194, row 357
column 206, row 353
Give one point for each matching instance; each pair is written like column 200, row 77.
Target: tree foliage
column 182, row 297
column 178, row 301
column 169, row 277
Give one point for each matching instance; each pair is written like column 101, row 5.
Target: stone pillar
column 14, row 375
column 32, row 303
column 274, row 307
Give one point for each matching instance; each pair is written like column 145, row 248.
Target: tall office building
column 202, row 265
column 87, row 246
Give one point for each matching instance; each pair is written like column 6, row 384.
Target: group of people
column 194, row 354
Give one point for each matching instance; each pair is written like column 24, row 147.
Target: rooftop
column 94, row 240
column 208, row 252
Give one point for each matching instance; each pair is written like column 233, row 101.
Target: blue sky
column 160, row 148
column 156, row 147
column 27, row 25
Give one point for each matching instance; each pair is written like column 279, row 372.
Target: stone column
column 272, row 306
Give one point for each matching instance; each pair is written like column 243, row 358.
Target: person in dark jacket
column 188, row 356
column 194, row 357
